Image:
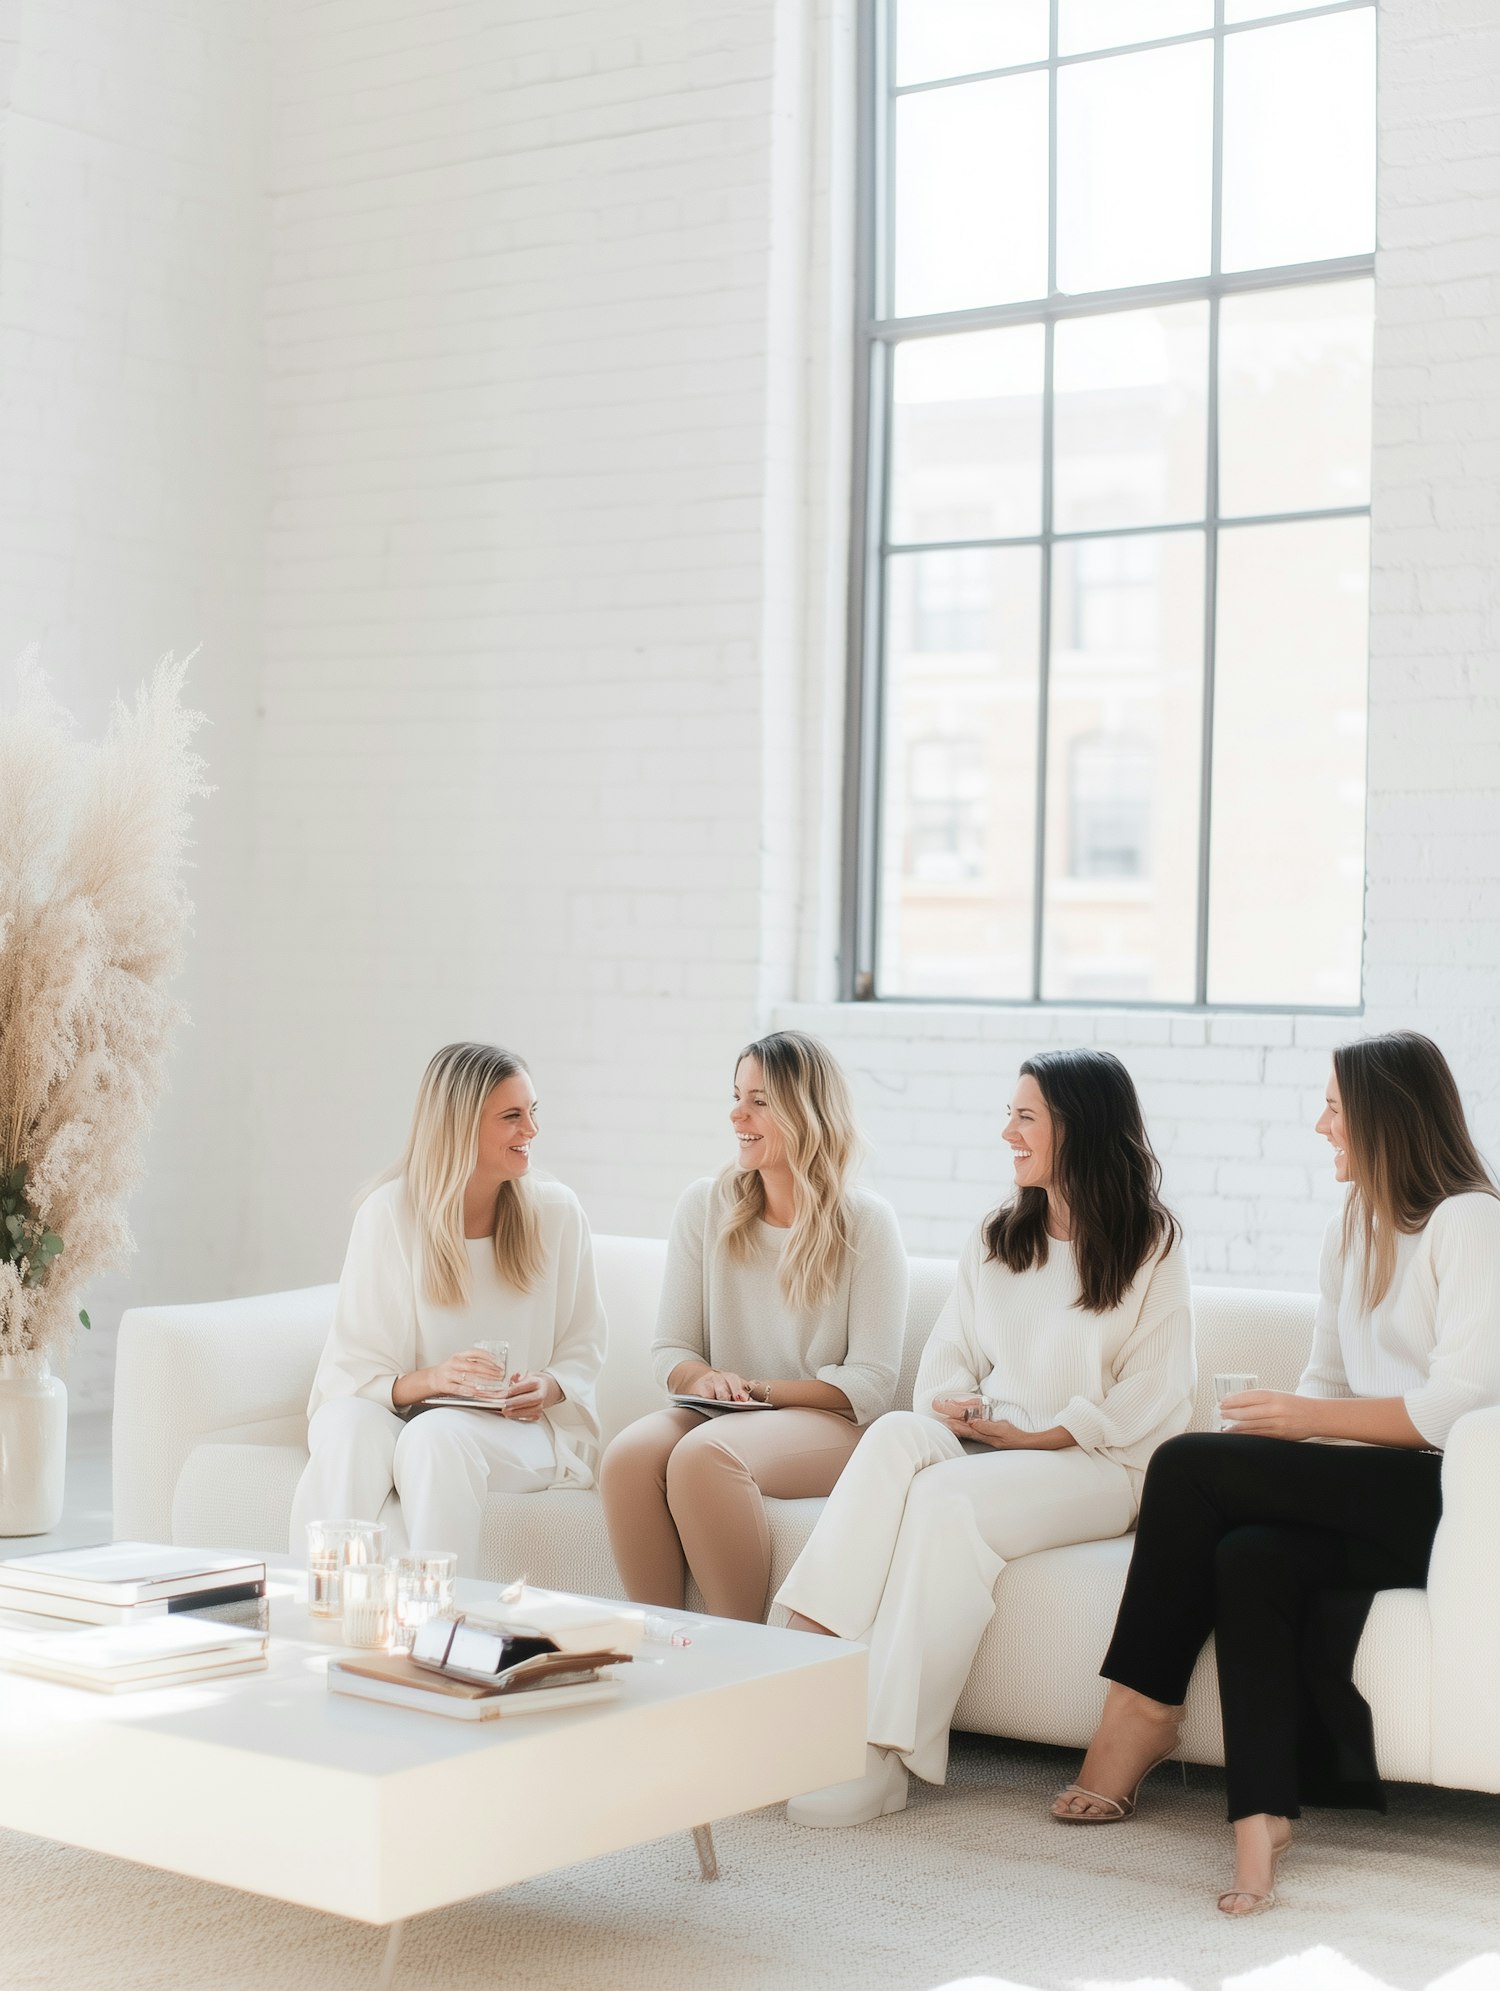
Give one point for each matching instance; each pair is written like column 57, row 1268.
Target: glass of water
column 424, row 1588
column 499, row 1354
column 1231, row 1384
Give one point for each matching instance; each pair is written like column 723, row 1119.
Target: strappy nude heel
column 1116, row 1809
column 1259, row 1903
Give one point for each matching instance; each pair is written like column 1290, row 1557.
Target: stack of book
column 171, row 1651
column 127, row 1583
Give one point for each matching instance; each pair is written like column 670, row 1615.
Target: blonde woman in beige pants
column 784, row 1289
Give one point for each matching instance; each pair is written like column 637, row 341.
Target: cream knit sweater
column 1120, row 1382
column 733, row 1315
column 1434, row 1339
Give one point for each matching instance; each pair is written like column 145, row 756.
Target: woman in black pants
column 1276, row 1544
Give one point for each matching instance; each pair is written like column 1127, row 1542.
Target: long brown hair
column 808, row 1097
column 1407, row 1142
column 1106, row 1170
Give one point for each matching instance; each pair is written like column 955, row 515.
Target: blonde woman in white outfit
column 785, row 1285
column 1064, row 1357
column 460, row 1245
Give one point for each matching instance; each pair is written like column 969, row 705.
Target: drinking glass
column 499, row 1354
column 333, row 1547
column 424, row 1587
column 1231, row 1385
column 369, row 1604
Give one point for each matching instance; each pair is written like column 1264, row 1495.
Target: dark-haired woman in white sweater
column 1064, row 1357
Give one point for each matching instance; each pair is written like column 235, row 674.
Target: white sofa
column 210, row 1438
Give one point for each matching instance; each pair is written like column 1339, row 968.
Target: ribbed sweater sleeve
column 877, row 1314
column 1464, row 1372
column 952, row 1361
column 681, row 1318
column 1325, row 1375
column 1150, row 1393
column 373, row 1339
column 579, row 1333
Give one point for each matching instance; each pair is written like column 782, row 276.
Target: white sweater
column 384, row 1326
column 1119, row 1382
column 733, row 1314
column 1434, row 1340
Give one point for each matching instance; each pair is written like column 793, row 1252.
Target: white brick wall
column 1231, row 1098
column 131, row 208
column 542, row 741
column 534, row 579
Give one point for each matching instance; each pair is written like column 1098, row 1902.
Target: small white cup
column 1231, row 1385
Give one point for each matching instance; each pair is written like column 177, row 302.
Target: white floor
column 972, row 1886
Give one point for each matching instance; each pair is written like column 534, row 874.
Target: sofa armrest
column 1463, row 1596
column 183, row 1373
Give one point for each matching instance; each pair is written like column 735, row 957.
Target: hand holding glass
column 499, row 1353
column 1230, row 1384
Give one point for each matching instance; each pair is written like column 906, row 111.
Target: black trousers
column 1277, row 1548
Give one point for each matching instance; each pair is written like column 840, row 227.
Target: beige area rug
column 972, row 1885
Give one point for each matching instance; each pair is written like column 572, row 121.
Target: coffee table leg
column 708, row 1859
column 387, row 1975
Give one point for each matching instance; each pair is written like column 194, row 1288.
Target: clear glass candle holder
column 369, row 1605
column 424, row 1587
column 333, row 1547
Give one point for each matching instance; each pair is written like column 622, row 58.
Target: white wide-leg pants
column 442, row 1464
column 907, row 1552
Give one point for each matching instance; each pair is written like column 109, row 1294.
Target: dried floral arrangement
column 93, row 915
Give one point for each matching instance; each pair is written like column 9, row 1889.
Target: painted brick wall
column 534, row 579
column 1231, row 1098
column 542, row 741
column 131, row 211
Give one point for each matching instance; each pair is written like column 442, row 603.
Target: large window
column 1109, row 688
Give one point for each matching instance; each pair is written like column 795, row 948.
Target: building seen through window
column 1117, row 568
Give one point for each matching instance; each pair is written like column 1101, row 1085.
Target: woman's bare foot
column 1133, row 1735
column 1259, row 1843
column 797, row 1623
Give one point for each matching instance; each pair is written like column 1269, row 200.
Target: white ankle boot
column 880, row 1790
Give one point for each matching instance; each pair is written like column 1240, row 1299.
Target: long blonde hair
column 808, row 1098
column 441, row 1152
column 1407, row 1142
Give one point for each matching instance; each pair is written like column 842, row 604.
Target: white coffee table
column 269, row 1783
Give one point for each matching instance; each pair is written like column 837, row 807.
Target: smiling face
column 1331, row 1127
column 1029, row 1135
column 757, row 1137
column 507, row 1127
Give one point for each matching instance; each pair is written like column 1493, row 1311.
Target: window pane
column 966, row 444
column 1258, row 10
column 1286, row 871
column 937, row 38
column 1294, row 398
column 1124, row 744
column 1086, row 24
column 1299, row 142
column 1131, row 418
column 958, row 828
column 971, row 195
column 1134, row 168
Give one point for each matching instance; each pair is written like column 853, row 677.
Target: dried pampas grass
column 92, row 919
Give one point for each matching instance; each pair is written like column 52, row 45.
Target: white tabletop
column 268, row 1782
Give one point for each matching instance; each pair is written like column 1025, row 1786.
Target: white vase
column 33, row 1447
